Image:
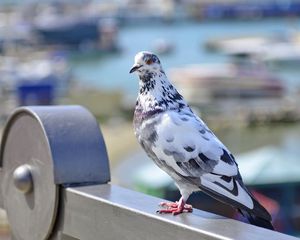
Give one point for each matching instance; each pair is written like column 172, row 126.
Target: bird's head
column 145, row 62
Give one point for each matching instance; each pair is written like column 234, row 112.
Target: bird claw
column 174, row 205
column 169, row 204
column 175, row 208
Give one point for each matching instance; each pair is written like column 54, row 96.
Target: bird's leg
column 175, row 208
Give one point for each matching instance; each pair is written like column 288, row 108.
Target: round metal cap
column 31, row 196
column 23, row 179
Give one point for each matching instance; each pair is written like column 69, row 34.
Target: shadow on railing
column 54, row 177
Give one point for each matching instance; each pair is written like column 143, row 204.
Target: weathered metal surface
column 110, row 212
column 41, row 148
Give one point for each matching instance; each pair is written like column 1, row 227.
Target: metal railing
column 54, row 180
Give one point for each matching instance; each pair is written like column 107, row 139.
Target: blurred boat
column 162, row 46
column 250, row 44
column 283, row 50
column 65, row 30
column 242, row 79
column 282, row 54
column 285, row 54
column 79, row 33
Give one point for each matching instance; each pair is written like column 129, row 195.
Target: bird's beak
column 135, row 67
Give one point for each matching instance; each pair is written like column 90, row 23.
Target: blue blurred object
column 35, row 93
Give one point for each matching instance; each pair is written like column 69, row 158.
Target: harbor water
column 110, row 72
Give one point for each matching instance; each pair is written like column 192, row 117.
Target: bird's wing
column 187, row 145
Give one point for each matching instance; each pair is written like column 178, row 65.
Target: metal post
column 43, row 148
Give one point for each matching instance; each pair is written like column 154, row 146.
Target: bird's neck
column 156, row 93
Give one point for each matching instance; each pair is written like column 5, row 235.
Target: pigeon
column 182, row 145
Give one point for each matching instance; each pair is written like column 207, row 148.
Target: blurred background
column 236, row 62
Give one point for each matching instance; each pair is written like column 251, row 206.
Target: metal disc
column 31, row 211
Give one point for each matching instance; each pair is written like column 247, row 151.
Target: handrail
column 54, row 186
column 111, row 212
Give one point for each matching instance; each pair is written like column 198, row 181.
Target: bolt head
column 23, row 178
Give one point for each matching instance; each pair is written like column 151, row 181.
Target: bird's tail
column 257, row 221
column 256, row 215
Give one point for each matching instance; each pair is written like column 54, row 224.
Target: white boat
column 283, row 50
column 243, row 43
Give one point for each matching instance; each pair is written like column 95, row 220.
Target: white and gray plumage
column 181, row 144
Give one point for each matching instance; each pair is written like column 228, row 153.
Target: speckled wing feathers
column 186, row 144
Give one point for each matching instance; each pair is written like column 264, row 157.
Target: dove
column 182, row 145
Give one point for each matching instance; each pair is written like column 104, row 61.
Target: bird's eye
column 149, row 61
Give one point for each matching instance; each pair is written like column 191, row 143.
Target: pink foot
column 175, row 208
